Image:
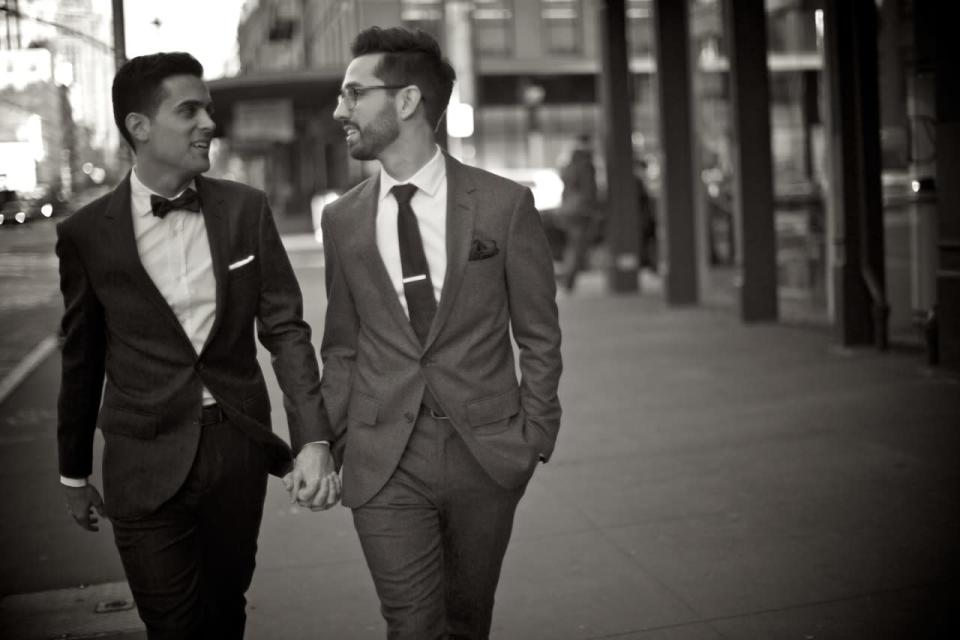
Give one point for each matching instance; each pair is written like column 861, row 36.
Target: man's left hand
column 314, row 482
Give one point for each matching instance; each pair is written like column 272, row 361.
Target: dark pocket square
column 481, row 249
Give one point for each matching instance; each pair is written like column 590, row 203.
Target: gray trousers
column 434, row 538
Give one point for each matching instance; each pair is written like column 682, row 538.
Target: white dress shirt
column 175, row 252
column 429, row 204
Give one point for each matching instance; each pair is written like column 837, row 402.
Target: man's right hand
column 314, row 482
column 84, row 504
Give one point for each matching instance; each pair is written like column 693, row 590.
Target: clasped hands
column 314, row 482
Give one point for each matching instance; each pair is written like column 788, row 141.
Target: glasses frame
column 350, row 96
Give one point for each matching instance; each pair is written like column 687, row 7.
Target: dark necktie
column 417, row 286
column 188, row 200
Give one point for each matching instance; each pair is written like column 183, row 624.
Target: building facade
column 532, row 69
column 74, row 38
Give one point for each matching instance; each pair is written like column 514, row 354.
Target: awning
column 311, row 89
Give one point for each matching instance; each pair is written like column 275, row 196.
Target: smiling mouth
column 352, row 133
column 201, row 145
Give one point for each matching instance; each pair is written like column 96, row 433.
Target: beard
column 376, row 136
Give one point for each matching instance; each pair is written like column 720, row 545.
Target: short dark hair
column 138, row 85
column 410, row 57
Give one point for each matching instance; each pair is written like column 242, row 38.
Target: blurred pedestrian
column 579, row 209
column 646, row 220
column 429, row 266
column 163, row 280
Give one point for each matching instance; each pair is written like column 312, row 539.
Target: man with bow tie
column 163, row 281
column 430, row 266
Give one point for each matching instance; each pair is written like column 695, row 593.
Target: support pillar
column 679, row 183
column 947, row 185
column 119, row 37
column 850, row 43
column 622, row 230
column 746, row 28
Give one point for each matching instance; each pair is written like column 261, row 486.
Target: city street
column 712, row 480
column 30, row 303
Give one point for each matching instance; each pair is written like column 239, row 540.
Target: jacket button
column 409, row 416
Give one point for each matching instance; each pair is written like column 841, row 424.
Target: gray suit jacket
column 499, row 278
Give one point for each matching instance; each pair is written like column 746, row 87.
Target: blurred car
column 546, row 185
column 13, row 210
column 547, row 188
column 17, row 209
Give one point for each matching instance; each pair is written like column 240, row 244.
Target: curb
column 99, row 611
column 26, row 366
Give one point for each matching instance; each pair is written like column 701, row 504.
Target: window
column 561, row 25
column 493, row 27
column 424, row 14
column 640, row 27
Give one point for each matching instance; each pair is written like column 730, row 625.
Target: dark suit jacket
column 117, row 325
column 375, row 368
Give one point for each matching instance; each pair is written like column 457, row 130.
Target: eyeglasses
column 350, row 95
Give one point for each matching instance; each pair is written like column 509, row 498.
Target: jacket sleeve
column 338, row 348
column 283, row 331
column 531, row 292
column 83, row 346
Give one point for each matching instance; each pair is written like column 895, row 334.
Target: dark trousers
column 190, row 563
column 434, row 538
column 581, row 233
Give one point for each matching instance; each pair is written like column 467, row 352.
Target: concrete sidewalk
column 712, row 480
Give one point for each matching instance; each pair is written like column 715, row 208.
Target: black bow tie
column 188, row 200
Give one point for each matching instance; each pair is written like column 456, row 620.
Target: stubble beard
column 376, row 136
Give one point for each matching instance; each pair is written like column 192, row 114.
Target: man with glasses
column 429, row 266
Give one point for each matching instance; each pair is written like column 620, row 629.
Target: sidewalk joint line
column 26, row 366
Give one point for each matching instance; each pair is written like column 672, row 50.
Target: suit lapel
column 119, row 229
column 365, row 211
column 213, row 207
column 461, row 213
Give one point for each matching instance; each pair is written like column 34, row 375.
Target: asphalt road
column 30, row 303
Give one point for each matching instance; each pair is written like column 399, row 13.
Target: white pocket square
column 240, row 263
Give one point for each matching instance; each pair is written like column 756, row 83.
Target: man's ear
column 410, row 99
column 138, row 126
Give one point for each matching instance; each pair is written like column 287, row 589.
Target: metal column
column 746, row 27
column 850, row 37
column 622, row 231
column 671, row 24
column 947, row 184
column 119, row 37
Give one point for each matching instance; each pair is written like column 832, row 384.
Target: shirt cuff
column 76, row 483
column 326, row 442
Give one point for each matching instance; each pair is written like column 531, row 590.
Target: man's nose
column 341, row 112
column 206, row 121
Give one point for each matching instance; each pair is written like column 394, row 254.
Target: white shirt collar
column 141, row 193
column 428, row 179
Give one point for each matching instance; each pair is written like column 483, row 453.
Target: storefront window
column 561, row 25
column 493, row 27
column 640, row 27
column 423, row 14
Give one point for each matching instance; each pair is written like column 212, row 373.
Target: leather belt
column 211, row 414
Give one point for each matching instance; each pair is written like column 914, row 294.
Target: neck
column 162, row 181
column 408, row 153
